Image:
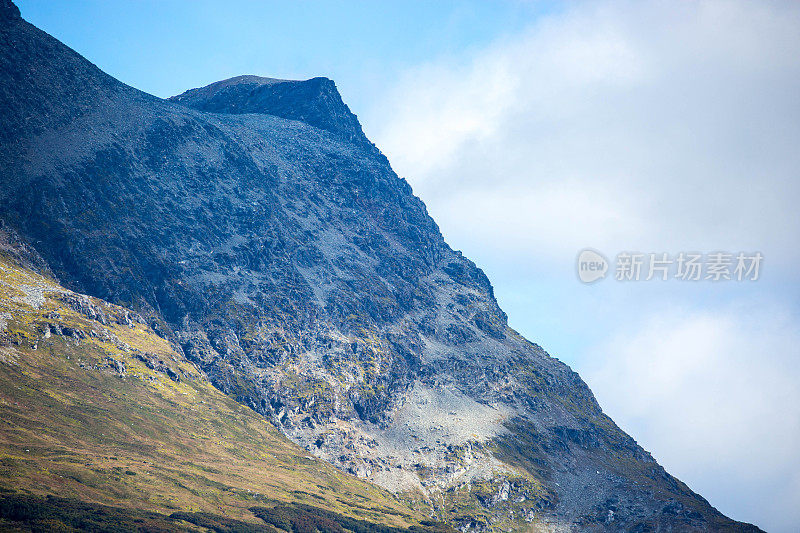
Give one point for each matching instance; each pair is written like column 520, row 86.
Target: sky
column 533, row 130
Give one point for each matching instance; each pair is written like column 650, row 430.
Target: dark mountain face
column 252, row 223
column 315, row 102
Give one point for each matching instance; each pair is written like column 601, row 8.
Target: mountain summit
column 316, row 102
column 252, row 224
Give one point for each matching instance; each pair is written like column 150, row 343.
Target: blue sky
column 166, row 47
column 533, row 130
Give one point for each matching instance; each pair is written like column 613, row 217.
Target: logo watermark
column 592, row 266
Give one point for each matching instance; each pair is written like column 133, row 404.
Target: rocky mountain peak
column 315, row 101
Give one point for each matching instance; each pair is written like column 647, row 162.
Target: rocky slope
column 255, row 227
column 98, row 409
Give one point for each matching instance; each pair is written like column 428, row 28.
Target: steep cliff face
column 254, row 225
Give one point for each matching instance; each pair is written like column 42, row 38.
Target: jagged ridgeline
column 254, row 226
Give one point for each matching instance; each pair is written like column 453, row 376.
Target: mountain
column 315, row 102
column 252, row 225
column 99, row 410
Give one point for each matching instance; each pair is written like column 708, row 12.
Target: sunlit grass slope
column 97, row 408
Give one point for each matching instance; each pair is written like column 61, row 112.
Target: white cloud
column 685, row 115
column 657, row 126
column 714, row 397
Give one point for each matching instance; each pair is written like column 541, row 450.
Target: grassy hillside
column 98, row 410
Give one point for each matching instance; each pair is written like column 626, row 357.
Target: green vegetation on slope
column 96, row 408
column 35, row 514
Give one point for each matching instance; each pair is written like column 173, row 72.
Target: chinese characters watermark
column 683, row 266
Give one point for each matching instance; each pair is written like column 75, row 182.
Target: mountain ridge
column 300, row 273
column 315, row 101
